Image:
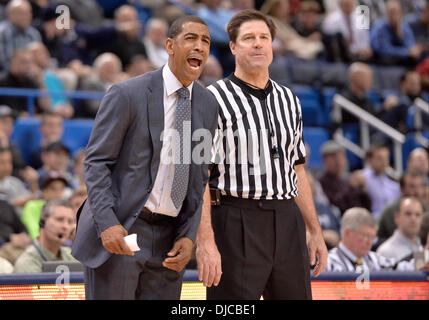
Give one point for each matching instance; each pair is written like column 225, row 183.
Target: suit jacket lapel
column 155, row 110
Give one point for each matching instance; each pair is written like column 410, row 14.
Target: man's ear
column 169, row 46
column 232, row 47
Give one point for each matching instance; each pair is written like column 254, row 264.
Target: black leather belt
column 218, row 199
column 153, row 217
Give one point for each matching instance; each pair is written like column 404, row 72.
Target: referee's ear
column 232, row 47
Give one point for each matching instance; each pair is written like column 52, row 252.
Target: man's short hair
column 177, row 26
column 248, row 15
column 49, row 207
column 356, row 217
column 412, row 174
column 48, row 114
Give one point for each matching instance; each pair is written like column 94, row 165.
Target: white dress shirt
column 399, row 246
column 159, row 200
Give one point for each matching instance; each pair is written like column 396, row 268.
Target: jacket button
column 260, row 204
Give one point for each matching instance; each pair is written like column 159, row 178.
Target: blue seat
column 310, row 105
column 315, row 138
column 27, row 137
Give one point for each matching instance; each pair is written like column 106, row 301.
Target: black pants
column 263, row 249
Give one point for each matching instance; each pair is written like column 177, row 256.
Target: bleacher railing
column 420, row 106
column 32, row 94
column 366, row 120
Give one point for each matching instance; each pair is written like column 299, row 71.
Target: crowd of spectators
column 103, row 44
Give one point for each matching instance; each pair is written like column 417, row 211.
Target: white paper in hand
column 131, row 241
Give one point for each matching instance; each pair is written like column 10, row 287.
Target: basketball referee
column 259, row 230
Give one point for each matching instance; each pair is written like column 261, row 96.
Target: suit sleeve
column 110, row 127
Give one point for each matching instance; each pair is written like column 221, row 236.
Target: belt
column 155, row 218
column 218, row 199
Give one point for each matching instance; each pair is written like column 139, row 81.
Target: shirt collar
column 261, row 94
column 403, row 239
column 171, row 83
column 347, row 252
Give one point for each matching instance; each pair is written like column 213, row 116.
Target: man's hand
column 317, row 247
column 179, row 256
column 209, row 263
column 113, row 240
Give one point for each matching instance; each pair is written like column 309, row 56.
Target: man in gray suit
column 133, row 188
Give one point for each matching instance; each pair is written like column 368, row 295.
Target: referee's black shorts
column 263, row 249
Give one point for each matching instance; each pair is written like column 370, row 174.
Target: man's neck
column 413, row 238
column 52, row 247
column 357, row 92
column 257, row 80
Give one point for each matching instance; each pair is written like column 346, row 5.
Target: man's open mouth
column 195, row 63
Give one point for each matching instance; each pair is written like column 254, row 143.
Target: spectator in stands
column 337, row 188
column 56, row 224
column 423, row 69
column 51, row 129
column 7, row 118
column 288, row 40
column 13, row 234
column 412, row 6
column 78, row 168
column 56, row 160
column 87, row 12
column 107, row 71
column 12, row 189
column 328, row 217
column 53, row 187
column 412, row 184
column 78, row 197
column 154, row 41
column 392, row 40
column 418, row 161
column 59, row 103
column 238, row 5
column 405, row 240
column 419, row 24
column 128, row 43
column 344, row 22
column 21, row 74
column 16, row 32
column 216, row 17
column 212, row 71
column 308, row 20
column 381, row 189
column 139, row 65
column 358, row 229
column 11, row 227
column 360, row 83
column 398, row 107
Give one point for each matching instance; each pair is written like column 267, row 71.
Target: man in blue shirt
column 392, row 40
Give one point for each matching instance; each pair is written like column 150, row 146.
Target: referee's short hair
column 356, row 217
column 247, row 15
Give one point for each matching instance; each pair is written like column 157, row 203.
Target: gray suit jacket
column 122, row 160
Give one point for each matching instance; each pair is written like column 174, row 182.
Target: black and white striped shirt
column 252, row 123
column 341, row 259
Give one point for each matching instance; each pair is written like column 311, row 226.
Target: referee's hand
column 317, row 248
column 209, row 262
